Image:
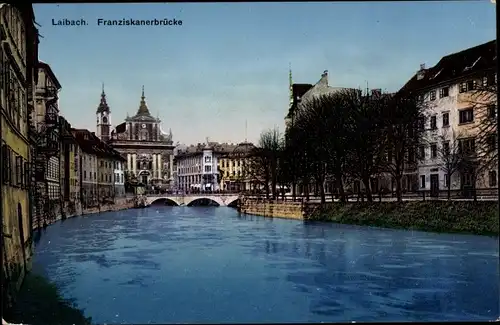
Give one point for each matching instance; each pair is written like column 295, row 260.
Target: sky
column 223, row 74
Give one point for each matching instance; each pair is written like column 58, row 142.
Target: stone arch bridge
column 221, row 199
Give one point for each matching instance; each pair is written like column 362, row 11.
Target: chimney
column 421, row 72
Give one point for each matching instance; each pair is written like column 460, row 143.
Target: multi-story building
column 45, row 118
column 233, row 167
column 148, row 150
column 302, row 94
column 70, row 188
column 105, row 172
column 459, row 95
column 119, row 177
column 197, row 167
column 18, row 60
column 88, row 167
column 98, row 161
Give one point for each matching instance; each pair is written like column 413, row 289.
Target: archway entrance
column 143, row 177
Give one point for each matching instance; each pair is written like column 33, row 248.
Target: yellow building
column 234, row 171
column 18, row 58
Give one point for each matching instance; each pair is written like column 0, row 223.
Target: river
column 210, row 264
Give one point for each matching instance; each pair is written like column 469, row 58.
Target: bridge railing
column 152, row 194
column 483, row 194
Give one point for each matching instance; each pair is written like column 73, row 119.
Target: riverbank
column 120, row 204
column 40, row 303
column 479, row 218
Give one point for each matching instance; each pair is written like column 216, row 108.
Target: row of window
column 119, row 178
column 15, row 95
column 53, row 168
column 464, row 116
column 54, row 192
column 90, row 176
column 15, row 26
column 465, row 146
column 225, row 163
column 194, row 169
column 465, row 86
column 17, row 170
column 237, row 173
column 103, row 177
column 467, row 179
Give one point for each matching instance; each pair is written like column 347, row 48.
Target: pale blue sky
column 228, row 62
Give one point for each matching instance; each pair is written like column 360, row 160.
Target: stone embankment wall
column 273, row 209
column 77, row 210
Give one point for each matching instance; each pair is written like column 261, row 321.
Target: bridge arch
column 233, row 202
column 215, row 199
column 164, row 199
column 184, row 200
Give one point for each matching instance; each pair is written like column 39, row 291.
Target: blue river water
column 211, row 265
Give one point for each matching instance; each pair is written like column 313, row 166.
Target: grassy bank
column 39, row 302
column 480, row 218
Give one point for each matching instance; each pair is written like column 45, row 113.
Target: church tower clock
column 103, row 114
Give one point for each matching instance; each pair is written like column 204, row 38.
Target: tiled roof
column 220, row 148
column 90, row 143
column 120, row 128
column 453, row 66
column 48, row 70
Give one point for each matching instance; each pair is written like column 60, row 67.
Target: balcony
column 40, row 169
column 51, row 118
column 50, row 92
column 48, row 143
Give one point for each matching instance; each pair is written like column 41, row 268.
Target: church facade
column 141, row 141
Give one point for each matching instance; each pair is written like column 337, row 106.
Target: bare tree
column 403, row 133
column 450, row 158
column 366, row 130
column 483, row 98
column 263, row 161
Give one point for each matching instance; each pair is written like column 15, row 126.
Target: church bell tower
column 103, row 118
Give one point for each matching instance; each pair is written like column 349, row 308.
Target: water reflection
column 392, row 274
column 205, row 264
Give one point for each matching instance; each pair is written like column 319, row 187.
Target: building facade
column 88, row 167
column 119, row 178
column 18, row 60
column 70, row 187
column 197, row 168
column 46, row 121
column 233, row 168
column 459, row 95
column 148, row 150
column 98, row 164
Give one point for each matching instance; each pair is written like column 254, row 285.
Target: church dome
column 243, row 149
